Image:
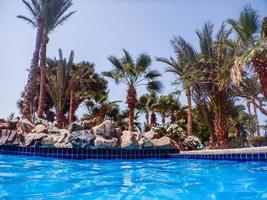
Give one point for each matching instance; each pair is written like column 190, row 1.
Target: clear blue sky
column 103, row 27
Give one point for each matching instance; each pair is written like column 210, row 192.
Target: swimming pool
column 48, row 178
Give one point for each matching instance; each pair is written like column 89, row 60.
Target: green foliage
column 258, row 141
column 177, row 132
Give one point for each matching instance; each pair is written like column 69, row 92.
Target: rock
column 62, row 137
column 86, row 125
column 40, row 128
column 81, row 139
column 164, row 142
column 40, row 136
column 25, row 126
column 48, row 141
column 11, row 124
column 9, row 137
column 105, row 129
column 53, row 130
column 28, row 139
column 3, row 125
column 151, row 135
column 102, row 142
column 63, row 145
column 145, row 142
column 75, row 127
column 118, row 132
column 129, row 139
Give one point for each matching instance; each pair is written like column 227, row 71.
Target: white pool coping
column 227, row 151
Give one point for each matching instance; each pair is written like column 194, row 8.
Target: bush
column 258, row 141
column 177, row 132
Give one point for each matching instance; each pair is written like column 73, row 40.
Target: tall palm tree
column 211, row 77
column 133, row 74
column 37, row 9
column 54, row 16
column 185, row 54
column 254, row 52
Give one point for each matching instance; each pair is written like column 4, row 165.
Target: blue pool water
column 48, row 178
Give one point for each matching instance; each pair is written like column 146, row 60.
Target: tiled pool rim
column 242, row 155
column 80, row 153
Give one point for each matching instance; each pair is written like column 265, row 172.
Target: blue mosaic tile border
column 72, row 153
column 242, row 157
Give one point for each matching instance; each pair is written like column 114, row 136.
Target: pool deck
column 227, row 151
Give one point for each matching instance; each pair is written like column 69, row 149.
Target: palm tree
column 254, row 52
column 143, row 106
column 185, row 54
column 58, row 75
column 173, row 106
column 133, row 74
column 162, row 107
column 54, row 16
column 37, row 10
column 211, row 77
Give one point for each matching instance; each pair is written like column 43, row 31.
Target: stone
column 53, row 130
column 129, row 139
column 40, row 136
column 102, row 142
column 145, row 143
column 62, row 137
column 86, row 125
column 151, row 135
column 106, row 129
column 25, row 126
column 63, row 145
column 81, row 138
column 118, row 132
column 74, row 126
column 40, row 128
column 12, row 123
column 48, row 141
column 9, row 137
column 164, row 142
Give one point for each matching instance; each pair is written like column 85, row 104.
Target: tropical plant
column 185, row 54
column 54, row 16
column 36, row 9
column 133, row 74
column 253, row 37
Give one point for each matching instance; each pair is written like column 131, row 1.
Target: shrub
column 177, row 132
column 258, row 141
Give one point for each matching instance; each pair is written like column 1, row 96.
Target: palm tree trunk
column 249, row 122
column 60, row 119
column 260, row 64
column 172, row 118
column 163, row 116
column 131, row 119
column 72, row 104
column 189, row 112
column 132, row 103
column 42, row 91
column 31, row 83
column 256, row 119
column 221, row 130
column 147, row 117
column 153, row 119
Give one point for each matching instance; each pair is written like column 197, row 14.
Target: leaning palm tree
column 133, row 74
column 185, row 54
column 54, row 16
column 253, row 38
column 37, row 9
